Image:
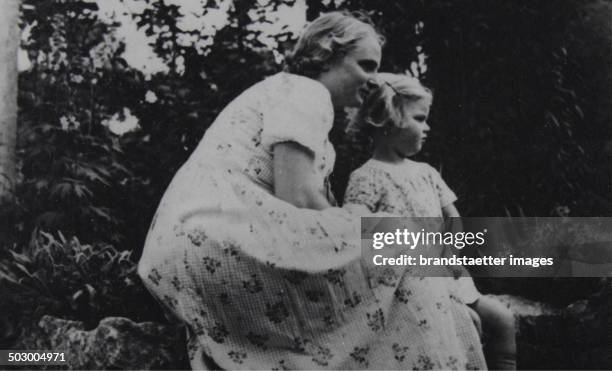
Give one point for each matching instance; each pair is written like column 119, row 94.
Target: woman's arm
column 295, row 178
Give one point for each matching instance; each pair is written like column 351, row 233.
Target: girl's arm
column 295, row 178
column 453, row 224
column 452, row 218
column 450, row 211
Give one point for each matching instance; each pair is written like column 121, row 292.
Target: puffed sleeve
column 363, row 189
column 445, row 194
column 297, row 109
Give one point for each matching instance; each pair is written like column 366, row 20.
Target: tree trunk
column 9, row 43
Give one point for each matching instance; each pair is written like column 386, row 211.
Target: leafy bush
column 63, row 277
column 77, row 176
column 72, row 166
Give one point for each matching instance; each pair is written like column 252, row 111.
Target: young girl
column 396, row 115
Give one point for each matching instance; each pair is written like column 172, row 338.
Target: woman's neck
column 383, row 154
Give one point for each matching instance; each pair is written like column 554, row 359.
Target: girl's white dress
column 262, row 284
column 407, row 189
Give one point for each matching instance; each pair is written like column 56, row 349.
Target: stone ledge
column 575, row 337
column 117, row 343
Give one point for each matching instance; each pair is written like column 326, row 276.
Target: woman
column 246, row 249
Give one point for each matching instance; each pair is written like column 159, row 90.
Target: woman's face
column 408, row 139
column 347, row 78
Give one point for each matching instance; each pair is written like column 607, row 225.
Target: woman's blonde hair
column 329, row 37
column 384, row 105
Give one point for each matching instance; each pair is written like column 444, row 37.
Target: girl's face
column 408, row 139
column 348, row 78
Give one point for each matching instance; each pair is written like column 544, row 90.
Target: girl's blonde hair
column 384, row 105
column 329, row 37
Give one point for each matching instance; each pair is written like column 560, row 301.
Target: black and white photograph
column 306, row 184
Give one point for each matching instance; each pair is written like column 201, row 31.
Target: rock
column 117, row 343
column 578, row 336
column 558, row 292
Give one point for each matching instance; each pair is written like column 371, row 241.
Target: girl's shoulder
column 405, row 167
column 379, row 174
column 408, row 169
column 427, row 173
column 370, row 174
column 371, row 168
column 420, row 167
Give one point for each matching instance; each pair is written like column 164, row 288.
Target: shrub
column 68, row 279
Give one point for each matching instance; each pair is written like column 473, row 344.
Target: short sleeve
column 363, row 189
column 445, row 194
column 297, row 109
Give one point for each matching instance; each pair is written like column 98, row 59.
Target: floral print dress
column 407, row 189
column 262, row 284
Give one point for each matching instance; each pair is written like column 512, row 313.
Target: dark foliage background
column 521, row 120
column 521, row 115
